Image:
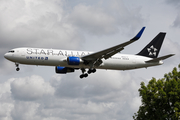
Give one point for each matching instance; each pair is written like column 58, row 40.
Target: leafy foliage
column 160, row 98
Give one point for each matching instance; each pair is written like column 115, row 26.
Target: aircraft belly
column 116, row 64
column 123, row 64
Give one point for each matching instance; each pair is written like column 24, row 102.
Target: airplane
column 67, row 61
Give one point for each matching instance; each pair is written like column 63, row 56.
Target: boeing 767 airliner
column 66, row 61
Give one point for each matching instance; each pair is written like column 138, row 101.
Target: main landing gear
column 17, row 67
column 86, row 74
column 91, row 71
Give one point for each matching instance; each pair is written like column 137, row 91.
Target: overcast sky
column 38, row 93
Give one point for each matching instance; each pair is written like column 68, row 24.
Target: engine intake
column 74, row 60
column 63, row 70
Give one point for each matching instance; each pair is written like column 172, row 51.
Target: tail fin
column 153, row 48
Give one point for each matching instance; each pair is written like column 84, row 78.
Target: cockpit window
column 11, row 51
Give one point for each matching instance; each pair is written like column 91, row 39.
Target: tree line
column 160, row 98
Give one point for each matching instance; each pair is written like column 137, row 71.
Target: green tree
column 160, row 98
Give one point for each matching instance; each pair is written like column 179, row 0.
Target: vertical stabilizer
column 153, row 48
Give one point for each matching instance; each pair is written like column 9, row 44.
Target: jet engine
column 63, row 70
column 74, row 60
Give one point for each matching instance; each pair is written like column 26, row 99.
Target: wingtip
column 139, row 34
column 172, row 54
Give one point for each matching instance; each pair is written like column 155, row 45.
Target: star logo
column 152, row 50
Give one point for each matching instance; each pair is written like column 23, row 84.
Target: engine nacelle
column 74, row 60
column 63, row 70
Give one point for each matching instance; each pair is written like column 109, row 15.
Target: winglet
column 139, row 34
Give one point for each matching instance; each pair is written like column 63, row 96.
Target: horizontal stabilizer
column 159, row 58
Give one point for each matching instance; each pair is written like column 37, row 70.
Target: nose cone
column 7, row 56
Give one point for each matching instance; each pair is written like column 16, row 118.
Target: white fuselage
column 55, row 57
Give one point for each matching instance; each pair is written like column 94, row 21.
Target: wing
column 95, row 58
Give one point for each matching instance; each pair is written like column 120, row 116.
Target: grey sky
column 38, row 93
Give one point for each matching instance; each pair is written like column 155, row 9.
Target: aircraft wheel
column 17, row 69
column 94, row 70
column 83, row 75
column 86, row 75
column 89, row 71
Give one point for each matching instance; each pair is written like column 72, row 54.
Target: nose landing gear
column 17, row 67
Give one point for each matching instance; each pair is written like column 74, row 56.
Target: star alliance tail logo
column 152, row 50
